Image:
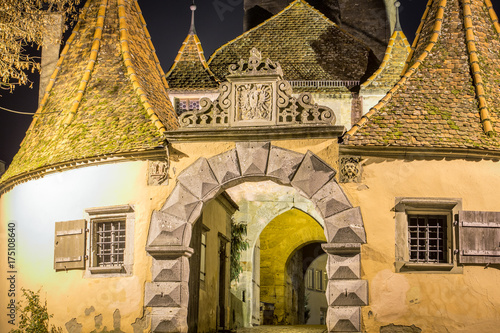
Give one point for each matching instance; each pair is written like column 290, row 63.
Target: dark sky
column 217, row 22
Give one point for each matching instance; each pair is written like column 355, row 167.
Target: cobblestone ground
column 285, row 329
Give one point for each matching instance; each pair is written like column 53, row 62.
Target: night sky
column 168, row 23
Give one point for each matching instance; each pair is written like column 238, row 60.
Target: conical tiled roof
column 307, row 45
column 391, row 68
column 449, row 96
column 106, row 97
column 190, row 70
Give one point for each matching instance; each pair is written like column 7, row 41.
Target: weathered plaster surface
column 37, row 204
column 467, row 302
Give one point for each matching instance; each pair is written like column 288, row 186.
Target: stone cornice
column 255, row 133
column 154, row 154
column 420, row 152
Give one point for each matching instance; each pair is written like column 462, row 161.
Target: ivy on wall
column 238, row 245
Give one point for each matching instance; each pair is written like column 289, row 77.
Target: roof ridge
column 417, row 34
column 493, row 15
column 94, row 51
column 274, row 17
column 475, row 69
column 150, row 42
column 387, row 56
column 432, row 41
column 62, row 56
column 131, row 70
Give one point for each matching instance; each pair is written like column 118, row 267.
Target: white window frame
column 124, row 213
column 448, row 207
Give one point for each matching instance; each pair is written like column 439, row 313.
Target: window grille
column 110, row 243
column 427, row 238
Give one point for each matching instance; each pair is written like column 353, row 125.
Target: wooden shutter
column 479, row 237
column 69, row 245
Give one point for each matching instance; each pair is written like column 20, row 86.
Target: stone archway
column 170, row 229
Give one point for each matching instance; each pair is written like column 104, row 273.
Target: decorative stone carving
column 350, row 169
column 254, row 101
column 257, row 95
column 157, row 173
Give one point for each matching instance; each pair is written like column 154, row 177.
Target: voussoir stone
column 330, row 199
column 225, row 166
column 198, row 178
column 312, row 174
column 182, row 203
column 283, row 164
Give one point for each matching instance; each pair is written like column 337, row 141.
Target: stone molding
column 170, row 229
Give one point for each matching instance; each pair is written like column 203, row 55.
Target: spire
column 397, row 27
column 192, row 30
column 190, row 69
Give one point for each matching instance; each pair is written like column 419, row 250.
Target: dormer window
column 184, row 104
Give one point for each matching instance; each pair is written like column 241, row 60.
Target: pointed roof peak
column 190, row 69
column 192, row 29
column 397, row 26
column 448, row 95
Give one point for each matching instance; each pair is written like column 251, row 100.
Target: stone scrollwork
column 211, row 113
column 255, row 66
column 256, row 95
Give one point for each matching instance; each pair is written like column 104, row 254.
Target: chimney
column 50, row 49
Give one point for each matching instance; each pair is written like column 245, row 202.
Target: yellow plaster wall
column 38, row 204
column 281, row 238
column 468, row 302
column 218, row 220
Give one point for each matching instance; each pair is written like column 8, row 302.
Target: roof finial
column 192, row 30
column 397, row 27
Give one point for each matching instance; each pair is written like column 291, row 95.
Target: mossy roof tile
column 106, row 98
column 307, row 45
column 190, row 70
column 439, row 103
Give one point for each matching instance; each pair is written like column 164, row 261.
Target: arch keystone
column 253, row 157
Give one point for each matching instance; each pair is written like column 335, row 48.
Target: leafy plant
column 33, row 316
column 238, row 245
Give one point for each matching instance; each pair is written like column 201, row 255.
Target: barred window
column 110, row 243
column 427, row 238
